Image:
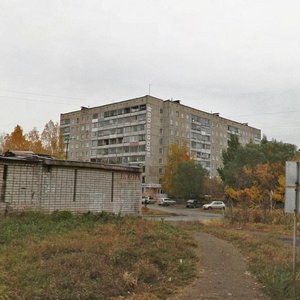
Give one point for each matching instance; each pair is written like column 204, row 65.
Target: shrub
column 258, row 215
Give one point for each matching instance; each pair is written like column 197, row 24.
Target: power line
column 262, row 114
column 36, row 100
column 44, row 95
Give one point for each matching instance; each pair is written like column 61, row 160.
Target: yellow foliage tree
column 16, row 140
column 52, row 140
column 278, row 194
column 175, row 156
column 231, row 193
column 263, row 183
column 34, row 142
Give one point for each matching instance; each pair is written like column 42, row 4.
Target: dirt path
column 222, row 273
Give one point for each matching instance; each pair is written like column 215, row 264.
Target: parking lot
column 182, row 214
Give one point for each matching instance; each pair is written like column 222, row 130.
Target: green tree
column 175, row 156
column 254, row 174
column 188, row 180
column 229, row 155
column 236, row 157
column 275, row 152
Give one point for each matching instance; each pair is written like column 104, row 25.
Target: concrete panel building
column 47, row 185
column 138, row 132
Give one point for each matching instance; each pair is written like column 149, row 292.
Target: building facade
column 46, row 185
column 139, row 131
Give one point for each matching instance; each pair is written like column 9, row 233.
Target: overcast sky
column 236, row 57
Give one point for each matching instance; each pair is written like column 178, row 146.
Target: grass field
column 63, row 256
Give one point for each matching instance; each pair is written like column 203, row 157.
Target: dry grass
column 92, row 257
column 268, row 257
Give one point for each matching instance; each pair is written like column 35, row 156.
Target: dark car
column 192, row 203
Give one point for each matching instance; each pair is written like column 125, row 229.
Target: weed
column 65, row 256
column 268, row 258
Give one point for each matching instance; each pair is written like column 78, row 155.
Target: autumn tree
column 34, row 141
column 16, row 140
column 188, row 180
column 235, row 158
column 214, row 187
column 2, row 135
column 49, row 142
column 255, row 174
column 176, row 155
column 52, row 140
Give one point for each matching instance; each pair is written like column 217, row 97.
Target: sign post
column 292, row 180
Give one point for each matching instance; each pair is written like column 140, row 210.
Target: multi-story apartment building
column 139, row 132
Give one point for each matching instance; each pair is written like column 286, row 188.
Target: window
column 141, row 137
column 127, row 129
column 161, row 111
column 65, row 122
column 142, row 148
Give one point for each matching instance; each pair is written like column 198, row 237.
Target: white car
column 215, row 205
column 166, row 202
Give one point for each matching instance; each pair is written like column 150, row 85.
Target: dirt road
column 222, row 274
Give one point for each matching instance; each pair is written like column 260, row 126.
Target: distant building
column 31, row 182
column 139, row 132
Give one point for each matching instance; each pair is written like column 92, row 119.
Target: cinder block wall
column 21, row 187
column 36, row 186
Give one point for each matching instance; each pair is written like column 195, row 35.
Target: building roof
column 30, row 157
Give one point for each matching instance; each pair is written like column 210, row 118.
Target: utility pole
column 67, row 147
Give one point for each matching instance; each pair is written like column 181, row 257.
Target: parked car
column 146, row 200
column 166, row 202
column 214, row 205
column 192, row 203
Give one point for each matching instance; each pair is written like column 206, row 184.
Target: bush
column 61, row 215
column 258, row 215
